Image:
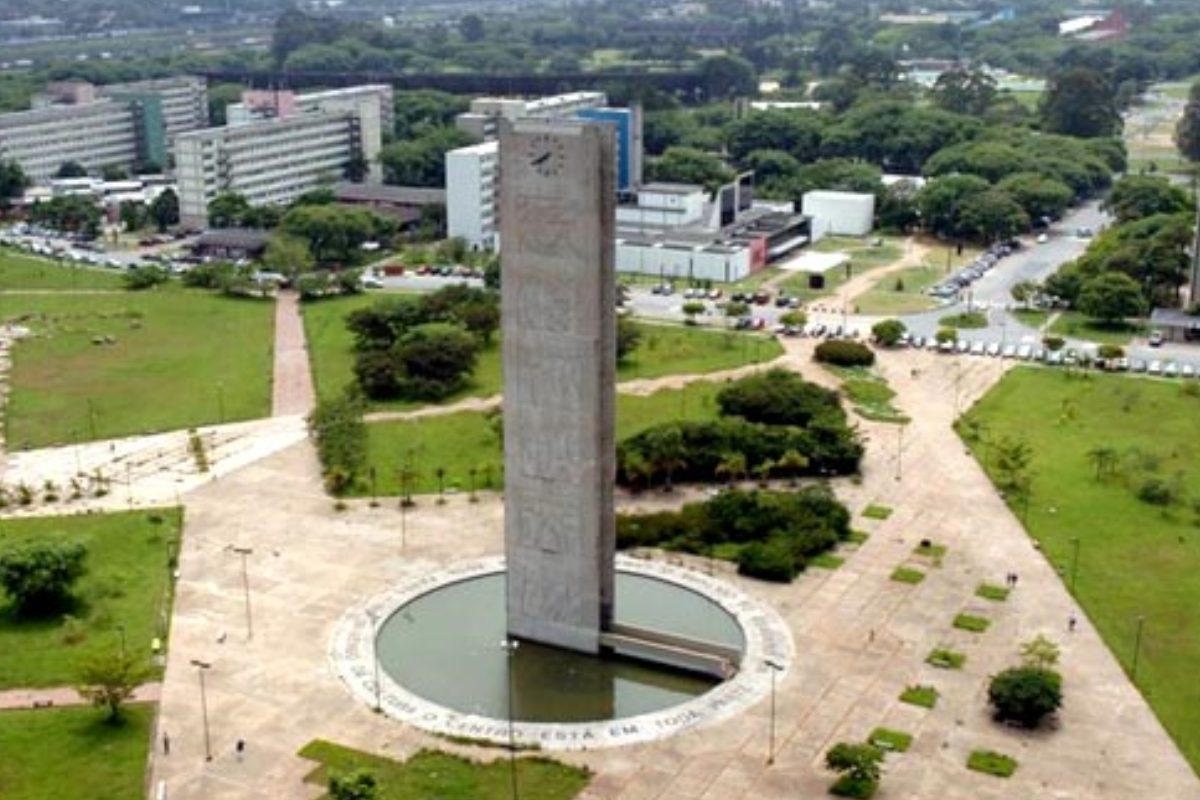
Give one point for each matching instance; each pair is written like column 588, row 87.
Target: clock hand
column 540, row 159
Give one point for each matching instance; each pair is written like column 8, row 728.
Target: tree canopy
column 38, row 576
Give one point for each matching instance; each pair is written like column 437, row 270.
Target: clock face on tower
column 544, row 154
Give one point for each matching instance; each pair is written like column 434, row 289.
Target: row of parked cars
column 974, row 271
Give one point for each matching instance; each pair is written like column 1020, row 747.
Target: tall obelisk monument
column 557, row 200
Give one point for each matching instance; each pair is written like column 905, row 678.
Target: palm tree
column 1104, row 459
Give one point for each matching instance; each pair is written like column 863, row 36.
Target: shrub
column 1025, row 695
column 973, row 319
column 968, row 622
column 908, row 575
column 992, row 592
column 341, row 436
column 945, row 659
column 991, row 763
column 886, row 739
column 888, row 332
column 779, row 397
column 923, row 696
column 842, row 353
column 39, row 576
column 860, row 767
column 772, row 560
column 145, row 278
column 1156, row 492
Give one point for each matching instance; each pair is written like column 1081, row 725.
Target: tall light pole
column 900, row 453
column 775, row 669
column 201, row 668
column 373, row 615
column 1074, row 562
column 510, row 651
column 1137, row 647
column 244, row 552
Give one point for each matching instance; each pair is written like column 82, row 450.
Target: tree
column 1039, row 652
column 1025, row 695
column 1187, row 129
column 797, row 134
column 990, row 215
column 357, row 785
column 1111, row 297
column 990, row 160
column 434, row 360
column 110, row 678
column 691, row 308
column 288, row 255
column 71, row 169
column 133, row 216
column 964, row 91
column 860, row 767
column 1079, row 102
column 38, row 576
column 13, row 182
column 1037, row 194
column 146, row 277
column 727, row 76
column 164, row 209
column 941, row 201
column 421, row 161
column 228, row 210
column 337, row 426
column 689, row 165
column 888, row 332
column 471, row 28
column 1136, row 197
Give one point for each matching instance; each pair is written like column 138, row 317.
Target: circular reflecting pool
column 445, row 646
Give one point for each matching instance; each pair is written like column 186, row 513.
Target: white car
column 1025, row 352
column 371, row 282
column 1155, row 368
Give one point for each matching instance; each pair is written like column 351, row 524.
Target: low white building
column 839, row 213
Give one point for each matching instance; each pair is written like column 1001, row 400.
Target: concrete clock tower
column 557, row 199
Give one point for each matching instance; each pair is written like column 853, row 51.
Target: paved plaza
column 860, row 638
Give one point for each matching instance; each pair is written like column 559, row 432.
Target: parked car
column 1156, row 339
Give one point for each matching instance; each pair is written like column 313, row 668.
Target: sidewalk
column 12, row 699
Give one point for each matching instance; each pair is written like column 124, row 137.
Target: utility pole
column 244, row 552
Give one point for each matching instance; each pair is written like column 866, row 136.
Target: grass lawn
column 433, row 775
column 888, row 739
column 1076, row 325
column 72, row 754
column 868, row 393
column 459, row 442
column 923, row 696
column 991, row 763
column 21, row 271
column 124, row 586
column 901, row 293
column 1135, row 559
column 663, row 350
column 177, row 358
column 864, row 257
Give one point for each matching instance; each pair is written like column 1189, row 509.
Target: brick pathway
column 292, row 389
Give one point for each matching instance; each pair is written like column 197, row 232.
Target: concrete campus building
column 118, row 125
column 286, row 145
column 471, row 198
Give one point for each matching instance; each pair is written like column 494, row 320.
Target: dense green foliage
column 38, row 576
column 1025, row 695
column 422, row 348
column 341, row 436
column 860, row 766
column 844, row 353
column 772, row 535
column 774, row 424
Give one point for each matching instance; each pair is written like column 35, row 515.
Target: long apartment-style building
column 118, row 125
column 281, row 145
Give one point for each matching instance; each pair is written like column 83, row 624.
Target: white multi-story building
column 183, row 100
column 94, row 135
column 471, row 208
column 482, row 121
column 273, row 161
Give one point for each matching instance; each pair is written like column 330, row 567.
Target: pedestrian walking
column 241, row 750
column 166, row 744
column 1071, row 624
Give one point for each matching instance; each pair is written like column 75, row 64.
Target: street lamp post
column 510, row 651
column 201, row 668
column 775, row 669
column 1137, row 647
column 124, row 649
column 900, row 453
column 244, row 552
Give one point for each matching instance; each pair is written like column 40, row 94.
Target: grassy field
column 1134, row 559
column 71, row 754
column 175, row 358
column 901, row 293
column 456, row 443
column 20, row 271
column 1078, row 326
column 433, row 775
column 124, row 587
column 663, row 350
